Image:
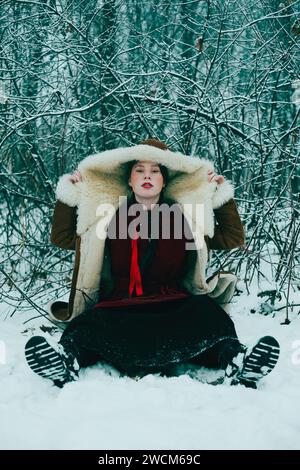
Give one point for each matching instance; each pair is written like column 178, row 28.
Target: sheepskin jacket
column 80, row 221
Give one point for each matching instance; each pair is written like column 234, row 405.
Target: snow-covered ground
column 105, row 411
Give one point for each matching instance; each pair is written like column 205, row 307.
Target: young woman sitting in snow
column 141, row 302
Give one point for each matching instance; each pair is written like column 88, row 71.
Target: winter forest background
column 219, row 79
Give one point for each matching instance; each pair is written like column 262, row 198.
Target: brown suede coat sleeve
column 63, row 232
column 229, row 230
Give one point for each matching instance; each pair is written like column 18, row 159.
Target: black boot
column 51, row 361
column 249, row 367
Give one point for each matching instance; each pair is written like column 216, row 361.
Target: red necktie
column 135, row 275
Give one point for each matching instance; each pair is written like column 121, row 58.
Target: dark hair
column 155, row 143
column 163, row 169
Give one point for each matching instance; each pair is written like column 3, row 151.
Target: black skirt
column 152, row 336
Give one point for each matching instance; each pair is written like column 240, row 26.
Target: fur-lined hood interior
column 104, row 181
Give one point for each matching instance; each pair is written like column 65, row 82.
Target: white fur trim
column 67, row 192
column 89, row 273
column 223, row 290
column 223, row 193
column 110, row 160
column 49, row 310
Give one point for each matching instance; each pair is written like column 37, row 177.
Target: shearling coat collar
column 104, row 182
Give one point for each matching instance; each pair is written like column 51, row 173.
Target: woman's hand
column 76, row 177
column 219, row 179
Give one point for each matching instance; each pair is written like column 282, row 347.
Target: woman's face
column 146, row 179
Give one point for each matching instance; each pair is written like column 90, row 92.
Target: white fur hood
column 104, row 182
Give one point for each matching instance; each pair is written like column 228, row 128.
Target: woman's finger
column 76, row 177
column 220, row 179
column 217, row 178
